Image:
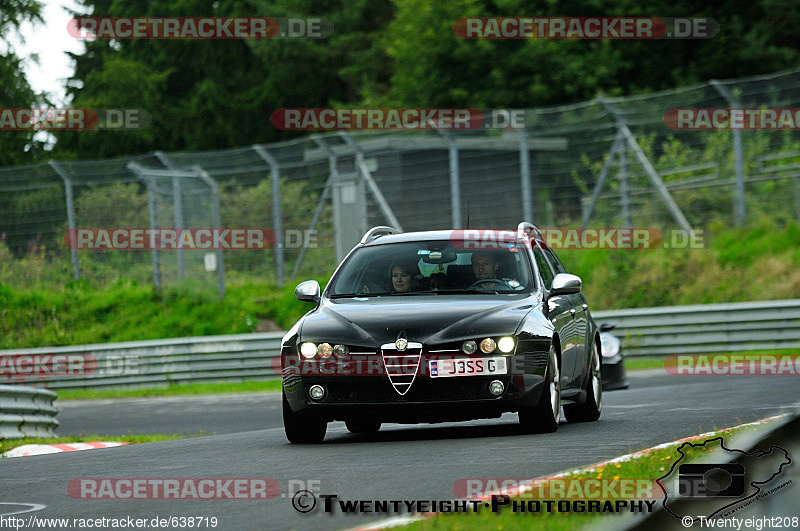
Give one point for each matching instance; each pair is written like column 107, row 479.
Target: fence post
column 797, row 197
column 73, row 237
column 371, row 184
column 525, row 176
column 151, row 211
column 655, row 179
column 598, row 187
column 217, row 220
column 177, row 204
column 624, row 188
column 739, row 203
column 277, row 213
column 326, row 190
column 455, row 179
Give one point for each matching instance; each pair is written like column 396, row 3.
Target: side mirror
column 565, row 284
column 307, row 291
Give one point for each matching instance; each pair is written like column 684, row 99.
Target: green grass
column 127, row 311
column 760, row 263
column 650, row 465
column 265, row 386
column 9, row 444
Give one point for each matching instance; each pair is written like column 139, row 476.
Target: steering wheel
column 478, row 283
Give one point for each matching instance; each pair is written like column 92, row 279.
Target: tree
column 15, row 91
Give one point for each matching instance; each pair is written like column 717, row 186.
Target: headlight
column 488, row 345
column 308, row 350
column 325, row 350
column 609, row 345
column 506, row 344
column 341, row 350
column 469, row 347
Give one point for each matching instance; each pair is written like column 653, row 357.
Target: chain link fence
column 609, row 162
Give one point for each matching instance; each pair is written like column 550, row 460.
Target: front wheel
column 302, row 429
column 590, row 410
column 544, row 416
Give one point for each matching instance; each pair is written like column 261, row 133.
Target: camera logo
column 722, row 486
column 711, row 480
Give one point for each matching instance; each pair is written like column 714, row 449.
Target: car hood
column 428, row 319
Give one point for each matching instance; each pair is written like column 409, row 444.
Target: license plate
column 467, row 367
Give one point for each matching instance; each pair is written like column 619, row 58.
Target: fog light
column 341, row 350
column 488, row 345
column 506, row 344
column 325, row 350
column 496, row 387
column 317, row 392
column 308, row 350
column 469, row 347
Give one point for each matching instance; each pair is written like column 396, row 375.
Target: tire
column 543, row 417
column 362, row 425
column 590, row 410
column 302, row 429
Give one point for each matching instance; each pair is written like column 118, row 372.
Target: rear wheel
column 543, row 417
column 362, row 425
column 302, row 429
column 590, row 410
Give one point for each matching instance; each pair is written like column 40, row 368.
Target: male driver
column 484, row 265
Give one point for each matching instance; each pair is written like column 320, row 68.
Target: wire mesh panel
column 608, row 162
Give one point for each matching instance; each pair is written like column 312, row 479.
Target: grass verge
column 10, row 444
column 211, row 388
column 648, row 465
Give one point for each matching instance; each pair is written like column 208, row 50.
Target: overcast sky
column 51, row 41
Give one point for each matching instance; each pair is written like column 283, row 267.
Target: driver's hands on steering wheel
column 480, row 282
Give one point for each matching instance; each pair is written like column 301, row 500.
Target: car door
column 560, row 312
column 581, row 318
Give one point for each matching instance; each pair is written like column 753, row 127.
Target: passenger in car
column 402, row 276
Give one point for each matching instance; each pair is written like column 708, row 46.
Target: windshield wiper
column 468, row 291
column 423, row 292
column 356, row 295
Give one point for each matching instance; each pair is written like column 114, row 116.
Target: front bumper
column 614, row 376
column 426, row 400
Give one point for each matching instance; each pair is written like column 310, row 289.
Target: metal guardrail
column 158, row 362
column 26, row 412
column 705, row 328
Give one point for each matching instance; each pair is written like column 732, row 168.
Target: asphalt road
column 401, row 462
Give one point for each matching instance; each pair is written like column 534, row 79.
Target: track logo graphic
column 724, row 486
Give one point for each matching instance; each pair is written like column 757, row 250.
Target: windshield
column 432, row 267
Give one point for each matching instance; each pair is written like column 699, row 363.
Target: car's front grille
column 401, row 365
